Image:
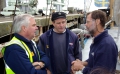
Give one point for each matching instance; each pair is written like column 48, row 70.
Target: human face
column 31, row 29
column 59, row 25
column 90, row 25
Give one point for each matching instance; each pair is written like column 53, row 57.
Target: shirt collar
column 100, row 36
column 20, row 37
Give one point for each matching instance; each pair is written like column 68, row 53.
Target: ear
column 53, row 22
column 97, row 21
column 23, row 28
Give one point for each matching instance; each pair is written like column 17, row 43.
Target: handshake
column 77, row 65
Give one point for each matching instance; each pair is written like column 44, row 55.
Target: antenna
column 116, row 15
column 13, row 19
column 84, row 11
column 84, row 5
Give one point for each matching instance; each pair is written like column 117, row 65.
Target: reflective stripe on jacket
column 21, row 44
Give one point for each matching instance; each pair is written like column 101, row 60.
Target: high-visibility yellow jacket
column 23, row 45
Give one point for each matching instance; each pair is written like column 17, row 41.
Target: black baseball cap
column 57, row 15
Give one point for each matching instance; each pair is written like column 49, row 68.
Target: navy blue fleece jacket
column 17, row 59
column 73, row 51
column 103, row 53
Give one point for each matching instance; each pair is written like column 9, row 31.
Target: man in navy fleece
column 61, row 45
column 21, row 55
column 103, row 50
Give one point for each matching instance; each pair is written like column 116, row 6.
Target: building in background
column 32, row 6
column 56, row 5
column 2, row 4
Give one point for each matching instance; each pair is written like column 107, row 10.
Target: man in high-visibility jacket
column 21, row 55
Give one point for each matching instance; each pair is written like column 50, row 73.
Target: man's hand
column 41, row 64
column 77, row 65
column 73, row 72
column 48, row 71
column 85, row 63
column 38, row 65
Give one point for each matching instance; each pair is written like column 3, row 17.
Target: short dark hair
column 58, row 15
column 98, row 14
column 88, row 14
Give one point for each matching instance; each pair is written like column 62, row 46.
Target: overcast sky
column 80, row 4
column 76, row 3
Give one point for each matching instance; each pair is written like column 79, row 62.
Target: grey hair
column 20, row 20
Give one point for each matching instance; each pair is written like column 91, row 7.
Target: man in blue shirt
column 103, row 50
